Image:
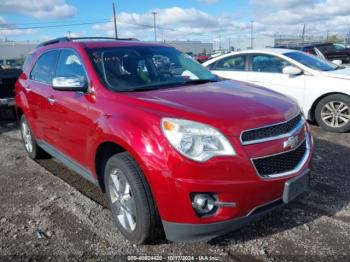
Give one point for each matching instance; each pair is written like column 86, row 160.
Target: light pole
column 115, row 22
column 252, row 34
column 155, row 25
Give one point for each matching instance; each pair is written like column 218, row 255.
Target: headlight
column 196, row 141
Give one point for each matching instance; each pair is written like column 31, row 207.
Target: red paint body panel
column 79, row 123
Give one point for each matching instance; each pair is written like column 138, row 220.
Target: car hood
column 343, row 73
column 230, row 106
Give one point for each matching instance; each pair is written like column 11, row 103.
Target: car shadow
column 329, row 194
column 79, row 183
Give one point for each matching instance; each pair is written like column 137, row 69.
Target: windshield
column 132, row 68
column 312, row 61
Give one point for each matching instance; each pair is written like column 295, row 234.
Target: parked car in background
column 172, row 146
column 330, row 51
column 202, row 57
column 321, row 88
column 8, row 78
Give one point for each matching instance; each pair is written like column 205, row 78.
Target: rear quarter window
column 27, row 61
column 45, row 67
column 231, row 63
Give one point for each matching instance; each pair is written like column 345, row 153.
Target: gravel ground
column 49, row 213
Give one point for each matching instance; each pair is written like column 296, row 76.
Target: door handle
column 51, row 100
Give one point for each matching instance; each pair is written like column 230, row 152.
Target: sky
column 203, row 20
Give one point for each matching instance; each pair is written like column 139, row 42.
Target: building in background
column 12, row 54
column 193, row 47
column 238, row 44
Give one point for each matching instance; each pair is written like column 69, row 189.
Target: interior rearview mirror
column 69, row 83
column 337, row 62
column 292, row 70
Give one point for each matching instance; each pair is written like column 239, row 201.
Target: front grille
column 270, row 131
column 282, row 163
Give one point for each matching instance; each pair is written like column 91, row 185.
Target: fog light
column 203, row 204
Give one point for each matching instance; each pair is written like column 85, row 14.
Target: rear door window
column 44, row 68
column 231, row 63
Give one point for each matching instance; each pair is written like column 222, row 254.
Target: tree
column 334, row 39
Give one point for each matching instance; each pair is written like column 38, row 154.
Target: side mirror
column 69, row 83
column 292, row 70
column 337, row 62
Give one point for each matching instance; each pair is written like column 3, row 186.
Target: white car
column 321, row 88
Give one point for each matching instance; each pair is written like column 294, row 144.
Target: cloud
column 289, row 16
column 38, row 8
column 7, row 30
column 173, row 23
column 208, row 2
column 271, row 18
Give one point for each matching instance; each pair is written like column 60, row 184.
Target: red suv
column 172, row 146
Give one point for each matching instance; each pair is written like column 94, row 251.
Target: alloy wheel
column 27, row 137
column 335, row 114
column 122, row 200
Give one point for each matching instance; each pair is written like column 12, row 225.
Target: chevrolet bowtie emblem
column 292, row 142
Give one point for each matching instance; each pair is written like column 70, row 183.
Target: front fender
column 143, row 139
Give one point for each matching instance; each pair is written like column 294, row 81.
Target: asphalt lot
column 49, row 213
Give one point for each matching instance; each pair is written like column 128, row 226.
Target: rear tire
column 29, row 142
column 133, row 209
column 333, row 113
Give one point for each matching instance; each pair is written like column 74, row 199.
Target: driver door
column 267, row 71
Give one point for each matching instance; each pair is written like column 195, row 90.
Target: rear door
column 38, row 90
column 267, row 70
column 231, row 67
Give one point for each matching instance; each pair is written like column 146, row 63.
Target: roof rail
column 102, row 38
column 70, row 39
column 54, row 41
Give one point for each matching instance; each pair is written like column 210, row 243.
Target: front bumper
column 7, row 102
column 202, row 232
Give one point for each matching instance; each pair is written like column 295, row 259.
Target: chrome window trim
column 297, row 168
column 267, row 139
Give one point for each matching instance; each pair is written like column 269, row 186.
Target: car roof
column 101, row 44
column 322, row 44
column 267, row 51
column 95, row 42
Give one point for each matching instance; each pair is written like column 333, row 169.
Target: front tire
column 333, row 113
column 130, row 199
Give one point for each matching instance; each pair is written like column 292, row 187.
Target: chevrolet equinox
column 175, row 149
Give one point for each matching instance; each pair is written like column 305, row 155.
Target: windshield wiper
column 201, row 81
column 168, row 85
